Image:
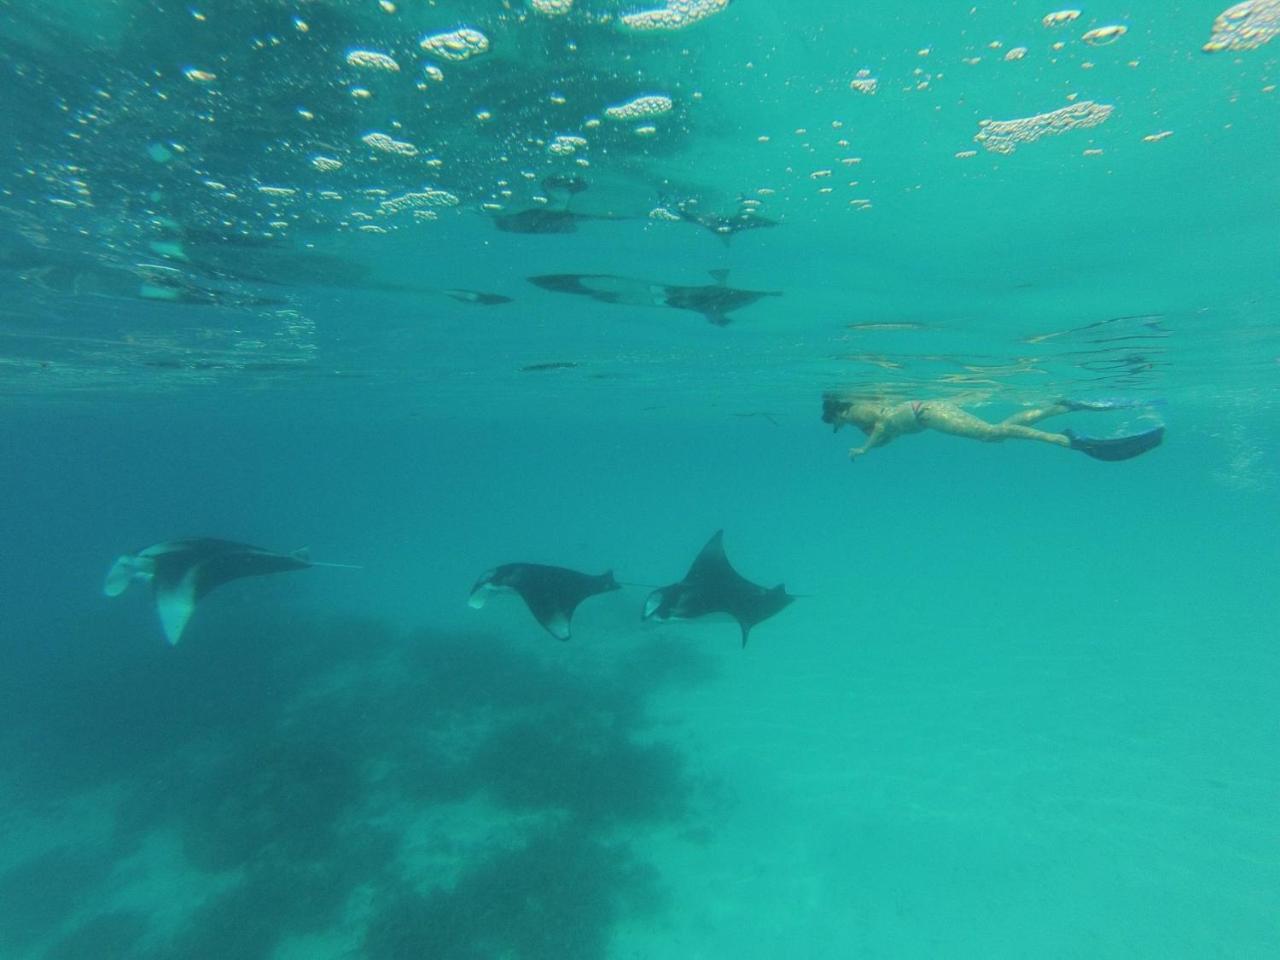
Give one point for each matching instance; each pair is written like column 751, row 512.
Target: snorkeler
column 883, row 421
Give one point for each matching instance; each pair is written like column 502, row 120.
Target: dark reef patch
column 39, row 894
column 279, row 801
column 584, row 763
column 557, row 898
column 281, row 897
column 285, row 751
column 101, row 703
column 108, row 936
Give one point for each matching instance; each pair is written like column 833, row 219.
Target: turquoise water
column 1025, row 702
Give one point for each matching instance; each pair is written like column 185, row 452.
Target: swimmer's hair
column 833, row 407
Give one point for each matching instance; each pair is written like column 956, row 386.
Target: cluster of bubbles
column 864, row 82
column 456, row 45
column 676, row 15
column 566, row 145
column 1245, row 26
column 1059, row 17
column 552, row 8
column 1004, row 136
column 384, row 143
column 640, row 108
column 372, row 60
column 1101, row 36
column 415, row 200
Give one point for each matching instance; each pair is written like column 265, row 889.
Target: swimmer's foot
column 1116, row 448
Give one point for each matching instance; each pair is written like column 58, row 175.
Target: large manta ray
column 551, row 593
column 713, row 586
column 714, row 301
column 181, row 572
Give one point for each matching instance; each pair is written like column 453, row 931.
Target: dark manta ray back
column 552, row 594
column 713, row 586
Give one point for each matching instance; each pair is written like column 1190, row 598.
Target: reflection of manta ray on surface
column 552, row 219
column 552, row 594
column 276, row 264
column 543, row 220
column 181, row 572
column 713, row 586
column 714, row 301
column 722, row 226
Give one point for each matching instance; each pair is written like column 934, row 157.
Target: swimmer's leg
column 1036, row 414
column 946, row 418
column 1066, row 405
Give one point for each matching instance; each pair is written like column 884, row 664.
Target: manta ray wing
column 760, row 606
column 714, row 301
column 711, row 569
column 538, row 220
column 182, row 577
column 604, row 287
column 175, row 602
column 552, row 611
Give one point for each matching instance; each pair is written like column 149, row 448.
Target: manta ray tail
column 303, row 555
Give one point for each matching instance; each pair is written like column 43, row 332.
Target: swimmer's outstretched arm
column 878, row 438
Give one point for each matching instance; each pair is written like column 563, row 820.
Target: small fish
column 883, row 327
column 478, row 297
column 552, row 365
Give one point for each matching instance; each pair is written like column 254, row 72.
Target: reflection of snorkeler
column 882, row 421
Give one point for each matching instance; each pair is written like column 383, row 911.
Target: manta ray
column 713, row 586
column 181, row 572
column 551, row 593
column 714, row 301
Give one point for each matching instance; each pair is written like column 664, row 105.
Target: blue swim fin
column 1116, row 448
